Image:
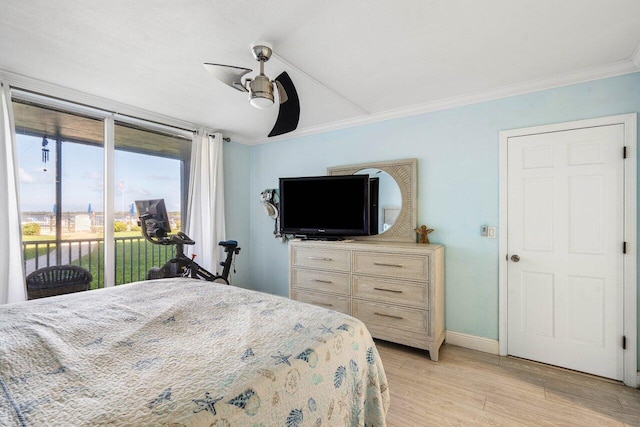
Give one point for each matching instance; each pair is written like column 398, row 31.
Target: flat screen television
column 325, row 206
column 156, row 217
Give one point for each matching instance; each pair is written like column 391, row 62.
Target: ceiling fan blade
column 228, row 74
column 289, row 113
column 282, row 94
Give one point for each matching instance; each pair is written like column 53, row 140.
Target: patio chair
column 57, row 280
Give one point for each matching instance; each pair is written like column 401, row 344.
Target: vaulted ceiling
column 352, row 62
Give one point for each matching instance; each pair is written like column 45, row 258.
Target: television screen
column 325, row 205
column 155, row 216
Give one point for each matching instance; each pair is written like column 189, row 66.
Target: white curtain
column 12, row 281
column 205, row 209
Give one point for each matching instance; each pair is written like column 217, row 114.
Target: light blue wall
column 457, row 152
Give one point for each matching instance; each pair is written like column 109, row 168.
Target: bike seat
column 228, row 243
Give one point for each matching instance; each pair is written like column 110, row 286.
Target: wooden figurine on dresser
column 423, row 234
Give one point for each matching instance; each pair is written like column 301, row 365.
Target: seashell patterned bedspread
column 184, row 352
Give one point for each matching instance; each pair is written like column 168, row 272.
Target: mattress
column 184, row 352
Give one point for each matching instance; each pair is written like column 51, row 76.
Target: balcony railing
column 134, row 257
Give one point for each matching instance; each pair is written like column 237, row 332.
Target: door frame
column 630, row 325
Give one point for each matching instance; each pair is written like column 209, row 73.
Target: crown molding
column 97, row 104
column 629, row 66
column 40, row 87
column 590, row 74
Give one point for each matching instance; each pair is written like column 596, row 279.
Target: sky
column 137, row 177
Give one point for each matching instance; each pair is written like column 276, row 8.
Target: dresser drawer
column 326, row 259
column 387, row 290
column 332, row 302
column 414, row 267
column 388, row 316
column 325, row 281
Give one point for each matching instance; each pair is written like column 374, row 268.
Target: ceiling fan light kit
column 260, row 88
column 261, row 92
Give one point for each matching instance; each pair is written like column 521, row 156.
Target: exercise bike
column 182, row 265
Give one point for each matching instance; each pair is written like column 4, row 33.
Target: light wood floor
column 467, row 387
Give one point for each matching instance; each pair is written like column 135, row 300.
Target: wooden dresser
column 396, row 289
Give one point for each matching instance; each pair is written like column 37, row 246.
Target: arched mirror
column 394, row 182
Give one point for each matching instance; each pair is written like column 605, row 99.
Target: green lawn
column 133, row 260
column 30, row 250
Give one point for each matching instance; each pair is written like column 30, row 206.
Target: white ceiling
column 352, row 61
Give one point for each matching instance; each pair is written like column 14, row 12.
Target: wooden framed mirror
column 404, row 211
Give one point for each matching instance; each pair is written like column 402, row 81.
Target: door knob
column 515, row 258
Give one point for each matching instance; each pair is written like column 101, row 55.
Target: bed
column 184, row 352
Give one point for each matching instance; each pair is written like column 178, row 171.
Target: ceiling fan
column 260, row 88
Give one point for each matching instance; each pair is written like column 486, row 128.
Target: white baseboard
column 473, row 342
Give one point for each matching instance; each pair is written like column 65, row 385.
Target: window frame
column 110, row 120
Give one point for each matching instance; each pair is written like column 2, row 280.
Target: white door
column 565, row 224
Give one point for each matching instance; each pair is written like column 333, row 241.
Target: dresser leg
column 433, row 355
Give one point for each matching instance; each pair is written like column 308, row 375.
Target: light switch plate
column 491, row 232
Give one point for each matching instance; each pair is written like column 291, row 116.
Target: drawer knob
column 389, row 315
column 322, row 303
column 320, row 280
column 388, row 290
column 384, row 264
column 319, row 258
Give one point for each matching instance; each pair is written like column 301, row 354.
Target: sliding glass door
column 62, row 157
column 148, row 165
